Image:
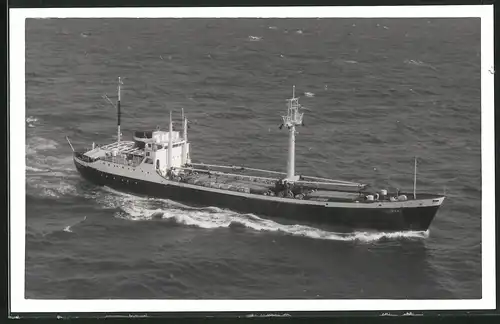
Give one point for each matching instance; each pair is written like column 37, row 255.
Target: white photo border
column 18, row 303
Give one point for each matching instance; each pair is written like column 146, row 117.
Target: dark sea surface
column 379, row 92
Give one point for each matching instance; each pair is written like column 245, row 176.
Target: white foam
column 52, row 189
column 38, row 144
column 49, row 193
column 139, row 209
column 33, row 169
column 254, row 38
column 68, row 228
column 65, row 188
column 420, row 63
column 31, row 119
column 49, row 166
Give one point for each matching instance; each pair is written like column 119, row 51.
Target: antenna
column 415, row 180
column 292, row 119
column 108, row 100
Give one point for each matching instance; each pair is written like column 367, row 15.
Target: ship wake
column 134, row 208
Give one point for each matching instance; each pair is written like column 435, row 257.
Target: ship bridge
column 142, row 138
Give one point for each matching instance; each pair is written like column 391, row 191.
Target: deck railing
column 123, row 161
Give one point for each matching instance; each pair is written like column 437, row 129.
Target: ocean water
column 376, row 92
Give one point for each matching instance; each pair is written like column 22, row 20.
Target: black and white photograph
column 318, row 160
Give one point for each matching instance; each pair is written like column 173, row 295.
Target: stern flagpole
column 67, row 139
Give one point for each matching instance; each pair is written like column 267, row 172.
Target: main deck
column 252, row 181
column 245, row 179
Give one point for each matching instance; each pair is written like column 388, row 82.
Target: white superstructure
column 162, row 151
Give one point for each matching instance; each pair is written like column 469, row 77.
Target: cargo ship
column 157, row 163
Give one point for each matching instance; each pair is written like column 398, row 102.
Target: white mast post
column 292, row 119
column 415, row 180
column 184, row 137
column 170, row 143
column 118, row 108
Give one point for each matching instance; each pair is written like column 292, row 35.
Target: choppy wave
column 48, row 174
column 33, row 169
column 51, row 188
column 36, row 144
column 420, row 63
column 136, row 208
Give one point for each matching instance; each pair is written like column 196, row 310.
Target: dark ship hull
column 384, row 219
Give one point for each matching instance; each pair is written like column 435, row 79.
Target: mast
column 170, row 143
column 118, row 108
column 184, row 137
column 292, row 119
column 415, row 180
